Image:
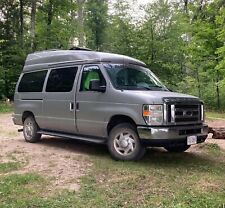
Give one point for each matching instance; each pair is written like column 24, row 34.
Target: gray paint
column 47, row 59
column 52, row 110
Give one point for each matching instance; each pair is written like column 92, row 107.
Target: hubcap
column 29, row 129
column 124, row 144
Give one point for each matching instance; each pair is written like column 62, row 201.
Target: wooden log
column 218, row 132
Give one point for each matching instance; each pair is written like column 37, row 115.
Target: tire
column 30, row 129
column 177, row 148
column 124, row 143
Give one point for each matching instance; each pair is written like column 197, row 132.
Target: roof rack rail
column 80, row 48
column 46, row 50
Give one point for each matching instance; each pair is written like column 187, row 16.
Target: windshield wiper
column 157, row 86
column 141, row 87
column 160, row 87
column 147, row 88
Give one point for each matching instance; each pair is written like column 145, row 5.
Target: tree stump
column 218, row 133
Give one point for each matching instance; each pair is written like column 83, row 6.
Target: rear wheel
column 30, row 129
column 177, row 148
column 124, row 143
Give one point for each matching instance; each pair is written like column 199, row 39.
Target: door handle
column 71, row 106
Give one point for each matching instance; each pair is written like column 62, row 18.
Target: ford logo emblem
column 187, row 113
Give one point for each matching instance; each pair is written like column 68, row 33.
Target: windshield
column 133, row 78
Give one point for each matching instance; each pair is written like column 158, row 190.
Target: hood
column 153, row 97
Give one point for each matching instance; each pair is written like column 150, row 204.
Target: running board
column 72, row 136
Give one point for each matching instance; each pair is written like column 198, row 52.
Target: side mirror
column 95, row 86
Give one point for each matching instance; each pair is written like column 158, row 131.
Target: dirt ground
column 63, row 161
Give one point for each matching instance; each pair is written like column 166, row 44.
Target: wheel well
column 117, row 119
column 26, row 114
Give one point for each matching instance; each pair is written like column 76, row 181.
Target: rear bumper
column 17, row 119
column 162, row 136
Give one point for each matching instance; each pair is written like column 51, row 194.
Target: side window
column 32, row 82
column 90, row 73
column 61, row 80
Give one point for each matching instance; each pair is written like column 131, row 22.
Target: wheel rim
column 29, row 129
column 124, row 143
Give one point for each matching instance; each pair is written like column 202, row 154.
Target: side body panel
column 96, row 108
column 27, row 102
column 58, row 110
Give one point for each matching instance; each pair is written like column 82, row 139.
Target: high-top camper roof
column 53, row 58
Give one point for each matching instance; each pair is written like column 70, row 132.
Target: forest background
column 181, row 41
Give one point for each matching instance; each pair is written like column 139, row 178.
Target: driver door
column 90, row 105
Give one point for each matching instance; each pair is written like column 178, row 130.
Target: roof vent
column 80, row 49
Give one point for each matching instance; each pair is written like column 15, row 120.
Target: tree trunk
column 21, row 22
column 80, row 22
column 199, row 86
column 198, row 11
column 6, row 84
column 217, row 89
column 152, row 43
column 49, row 22
column 33, row 20
column 186, row 6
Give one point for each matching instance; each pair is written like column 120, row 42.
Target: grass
column 215, row 115
column 161, row 179
column 6, row 107
column 10, row 166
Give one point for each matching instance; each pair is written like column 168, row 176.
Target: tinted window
column 91, row 73
column 61, row 80
column 32, row 82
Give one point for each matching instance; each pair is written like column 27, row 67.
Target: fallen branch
column 218, row 133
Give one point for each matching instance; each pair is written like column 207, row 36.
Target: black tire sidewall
column 139, row 149
column 35, row 136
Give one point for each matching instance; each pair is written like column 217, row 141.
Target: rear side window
column 61, row 80
column 32, row 82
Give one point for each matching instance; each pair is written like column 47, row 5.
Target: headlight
column 153, row 114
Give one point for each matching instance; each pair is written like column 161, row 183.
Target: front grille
column 190, row 131
column 183, row 111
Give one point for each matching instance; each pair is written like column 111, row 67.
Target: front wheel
column 30, row 129
column 177, row 148
column 124, row 143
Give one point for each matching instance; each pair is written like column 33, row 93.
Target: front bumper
column 161, row 136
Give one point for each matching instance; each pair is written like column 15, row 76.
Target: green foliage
column 54, row 30
column 183, row 46
column 5, row 107
column 96, row 23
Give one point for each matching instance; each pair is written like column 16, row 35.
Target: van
column 104, row 98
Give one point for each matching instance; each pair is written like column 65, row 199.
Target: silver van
column 104, row 98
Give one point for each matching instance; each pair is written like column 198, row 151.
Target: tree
column 33, row 23
column 80, row 18
column 203, row 52
column 96, row 23
column 164, row 52
column 21, row 12
column 10, row 50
